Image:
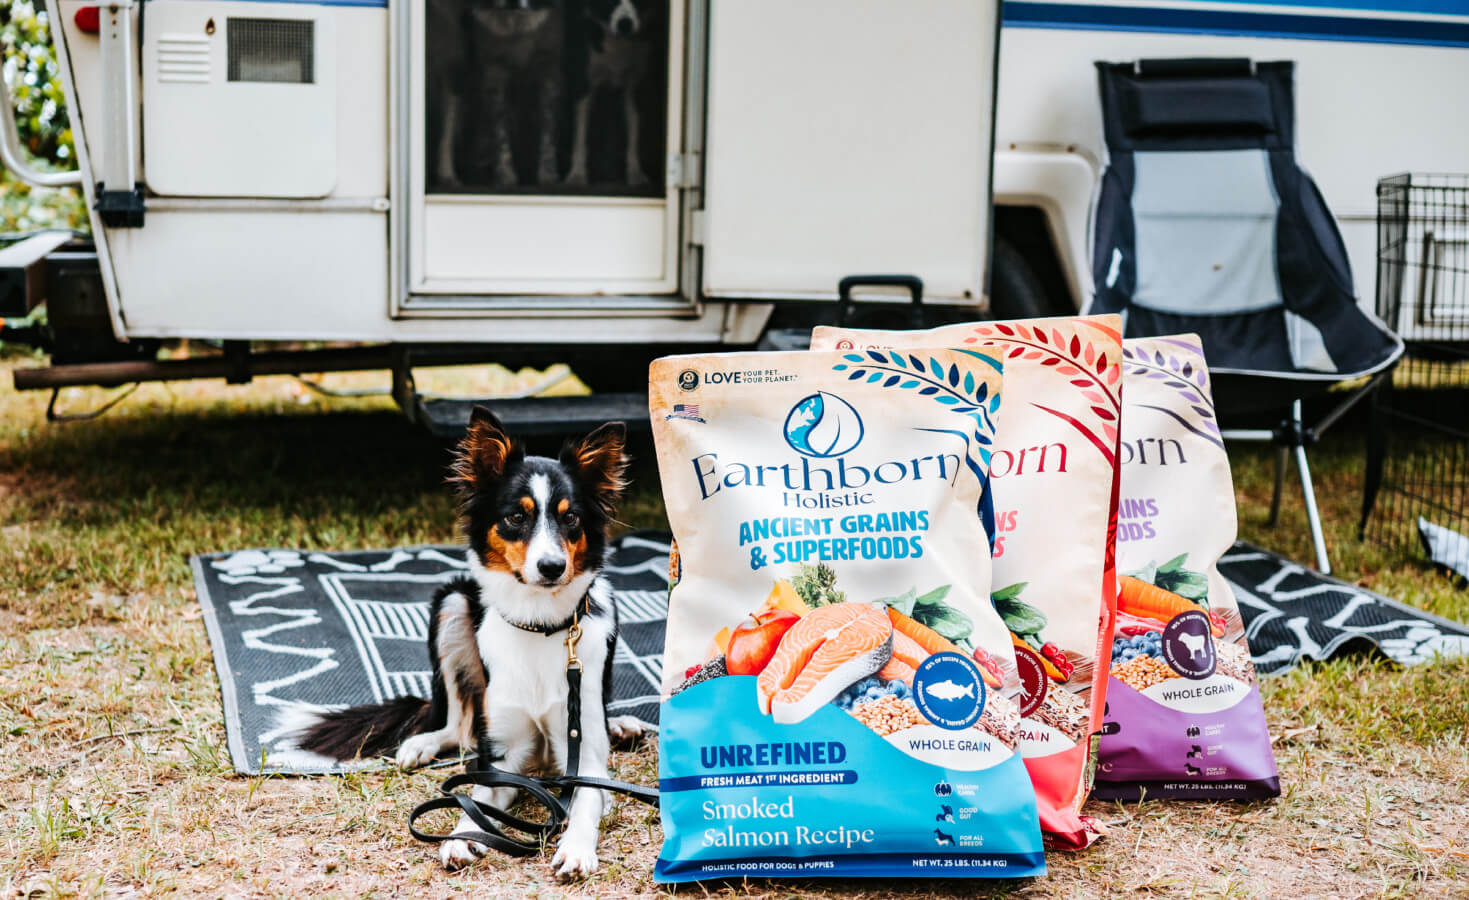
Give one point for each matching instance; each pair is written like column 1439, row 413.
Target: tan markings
column 480, row 456
column 563, row 506
column 527, row 504
column 506, row 556
column 600, row 461
column 576, row 551
column 467, row 737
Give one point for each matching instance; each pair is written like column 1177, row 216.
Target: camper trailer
column 604, row 181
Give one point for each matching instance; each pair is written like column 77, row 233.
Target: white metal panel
column 848, row 137
column 276, row 274
column 528, row 241
column 207, row 136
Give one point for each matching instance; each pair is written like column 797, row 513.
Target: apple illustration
column 753, row 643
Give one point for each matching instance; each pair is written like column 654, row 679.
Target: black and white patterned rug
column 1292, row 613
column 295, row 631
column 307, row 631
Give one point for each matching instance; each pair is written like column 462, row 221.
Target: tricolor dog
column 537, row 534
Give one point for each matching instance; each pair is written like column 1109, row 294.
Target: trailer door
column 848, row 137
column 535, row 141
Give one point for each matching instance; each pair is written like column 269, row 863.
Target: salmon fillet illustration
column 907, row 654
column 831, row 648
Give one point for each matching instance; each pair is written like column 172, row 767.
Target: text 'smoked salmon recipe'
column 839, row 694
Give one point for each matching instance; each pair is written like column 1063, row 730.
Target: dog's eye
column 571, row 519
column 516, row 518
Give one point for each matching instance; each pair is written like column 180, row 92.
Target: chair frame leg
column 1313, row 515
column 1282, row 459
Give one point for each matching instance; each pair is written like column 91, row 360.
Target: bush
column 34, row 77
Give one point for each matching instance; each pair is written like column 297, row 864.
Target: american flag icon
column 688, row 411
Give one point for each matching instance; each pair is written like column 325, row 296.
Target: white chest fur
column 526, row 698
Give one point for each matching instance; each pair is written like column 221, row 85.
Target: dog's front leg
column 576, row 176
column 500, row 113
column 576, row 853
column 548, row 172
column 633, row 121
column 459, row 853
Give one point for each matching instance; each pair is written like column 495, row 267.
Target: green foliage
column 816, row 586
column 34, row 77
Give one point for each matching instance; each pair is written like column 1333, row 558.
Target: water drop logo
column 823, row 425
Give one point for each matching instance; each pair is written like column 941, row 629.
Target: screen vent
column 272, row 50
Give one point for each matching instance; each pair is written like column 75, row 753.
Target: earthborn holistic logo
column 688, row 379
column 823, row 425
column 949, row 691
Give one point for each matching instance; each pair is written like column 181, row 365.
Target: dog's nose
column 626, row 26
column 551, row 569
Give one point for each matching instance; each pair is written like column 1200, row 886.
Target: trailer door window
column 541, row 133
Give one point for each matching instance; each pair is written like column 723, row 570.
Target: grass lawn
column 115, row 780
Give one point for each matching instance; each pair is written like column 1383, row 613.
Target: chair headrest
column 1197, row 104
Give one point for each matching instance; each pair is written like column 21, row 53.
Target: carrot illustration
column 1138, row 598
column 926, row 637
column 1052, row 671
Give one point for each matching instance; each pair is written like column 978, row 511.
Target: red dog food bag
column 1054, row 472
column 1184, row 717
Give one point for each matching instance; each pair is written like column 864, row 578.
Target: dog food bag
column 839, row 695
column 1054, row 471
column 1183, row 710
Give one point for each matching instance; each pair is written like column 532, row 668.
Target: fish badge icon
column 948, row 690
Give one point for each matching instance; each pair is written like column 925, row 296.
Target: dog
column 484, row 54
column 619, row 48
column 1196, row 643
column 943, row 840
column 536, row 530
column 1192, row 770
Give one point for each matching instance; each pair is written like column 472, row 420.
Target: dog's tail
column 373, row 729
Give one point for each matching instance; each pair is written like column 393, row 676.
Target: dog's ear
column 482, row 453
column 600, row 463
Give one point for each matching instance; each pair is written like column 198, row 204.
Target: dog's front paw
column 458, row 854
column 417, row 751
column 625, row 729
column 576, row 178
column 575, row 858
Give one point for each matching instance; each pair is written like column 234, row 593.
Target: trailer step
column 537, row 415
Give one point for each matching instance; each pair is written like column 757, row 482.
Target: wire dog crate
column 1418, row 448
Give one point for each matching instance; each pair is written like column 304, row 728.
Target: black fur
column 373, row 729
column 377, row 729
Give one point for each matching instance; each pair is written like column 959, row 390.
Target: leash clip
column 573, row 634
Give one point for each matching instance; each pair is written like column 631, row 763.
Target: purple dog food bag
column 1183, row 716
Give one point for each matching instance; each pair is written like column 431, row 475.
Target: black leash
column 489, row 819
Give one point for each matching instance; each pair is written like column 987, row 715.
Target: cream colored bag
column 1184, row 717
column 1055, row 481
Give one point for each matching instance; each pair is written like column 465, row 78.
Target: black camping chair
column 1205, row 224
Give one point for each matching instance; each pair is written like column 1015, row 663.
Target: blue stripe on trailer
column 1239, row 23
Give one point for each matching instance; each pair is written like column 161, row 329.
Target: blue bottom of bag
column 828, row 797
